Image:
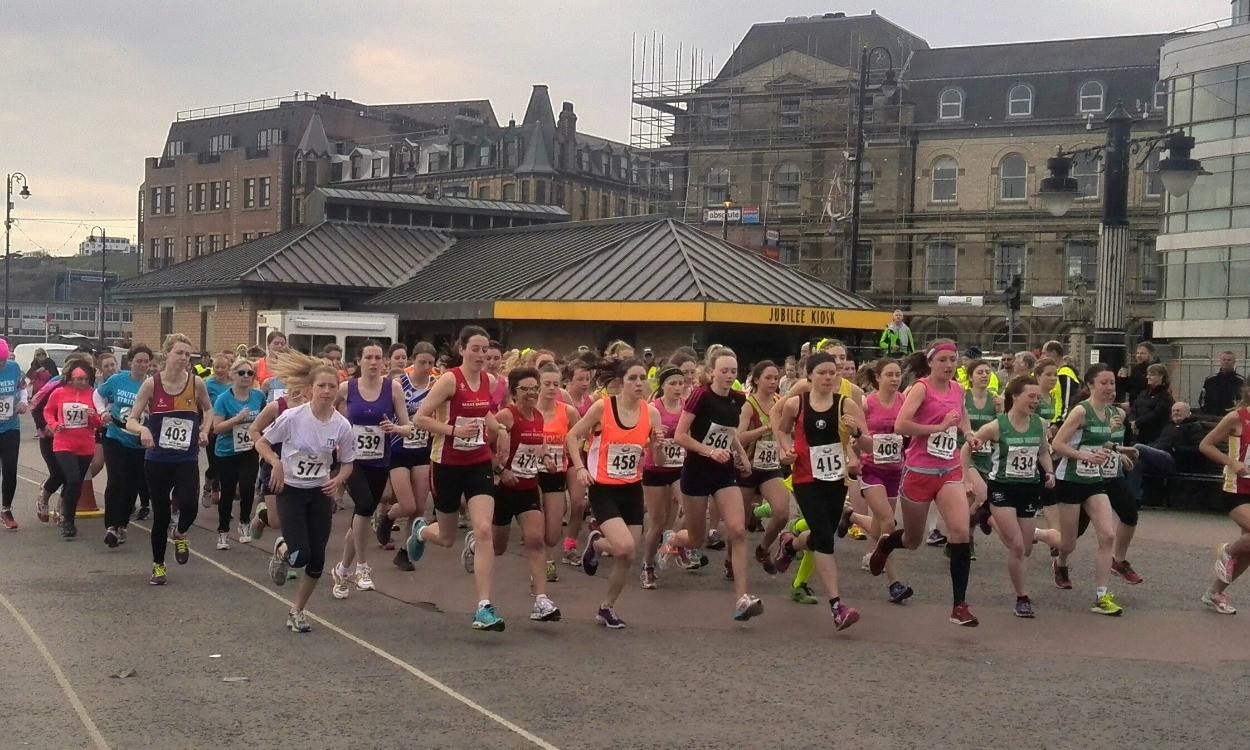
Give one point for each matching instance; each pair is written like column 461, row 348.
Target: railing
column 241, row 107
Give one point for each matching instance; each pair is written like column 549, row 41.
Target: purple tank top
column 363, row 415
column 940, row 450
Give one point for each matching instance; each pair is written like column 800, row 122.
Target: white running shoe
column 544, row 610
column 364, row 579
column 223, row 540
column 1218, row 602
column 339, row 575
column 1224, row 564
column 245, row 533
column 466, row 556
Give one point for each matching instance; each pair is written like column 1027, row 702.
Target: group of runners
column 659, row 460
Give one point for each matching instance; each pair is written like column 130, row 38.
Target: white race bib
column 942, row 444
column 123, row 414
column 719, row 437
column 420, row 439
column 624, row 461
column 987, row 447
column 6, row 407
column 470, row 443
column 241, row 439
column 672, row 455
column 73, row 415
column 309, row 467
column 1088, row 469
column 526, row 460
column 767, row 456
column 1022, row 462
column 556, row 452
column 1111, row 469
column 370, row 442
column 828, row 462
column 276, row 393
column 887, row 449
column 175, row 434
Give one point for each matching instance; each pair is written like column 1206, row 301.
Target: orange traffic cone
column 86, row 502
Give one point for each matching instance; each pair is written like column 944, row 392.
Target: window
column 84, row 313
column 787, row 183
column 57, row 315
column 1154, row 184
column 1020, row 101
column 1013, row 178
column 456, row 191
column 214, row 243
column 1085, row 169
column 457, row 156
column 219, row 143
column 1161, row 95
column 951, row 105
column 264, row 191
column 483, row 193
column 158, row 194
column 584, row 161
column 1082, row 260
column 175, row 148
column 249, row 192
column 169, row 249
column 863, row 266
column 939, row 267
column 945, row 175
column 525, row 191
column 226, row 194
column 186, row 252
column 201, row 196
column 269, row 137
column 155, row 247
column 1091, row 96
column 585, row 204
column 190, row 197
column 484, row 155
column 867, row 183
column 540, row 192
column 249, row 236
column 375, row 167
column 199, row 245
column 791, row 113
column 720, row 116
column 621, row 207
column 1009, row 257
column 717, row 186
column 214, row 196
column 869, row 104
column 509, row 192
column 169, row 199
column 434, row 161
column 1148, row 267
column 557, row 195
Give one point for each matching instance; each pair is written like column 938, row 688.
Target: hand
column 583, row 475
column 1050, row 481
column 1117, row 422
column 275, row 478
column 1240, row 469
column 852, row 466
column 787, row 456
column 56, row 430
column 952, row 419
column 850, row 422
column 464, row 431
column 720, row 456
column 145, row 438
column 507, row 478
column 333, row 487
column 203, row 437
column 744, row 469
column 22, row 408
column 549, row 464
column 1131, row 452
column 999, row 404
column 658, row 434
column 975, row 442
column 388, row 426
column 243, row 415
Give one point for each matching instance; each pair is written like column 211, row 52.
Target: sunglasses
column 527, row 389
column 245, row 373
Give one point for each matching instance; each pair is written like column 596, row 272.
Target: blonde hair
column 298, row 371
column 714, row 352
column 237, row 363
column 615, row 348
column 175, row 338
column 223, row 362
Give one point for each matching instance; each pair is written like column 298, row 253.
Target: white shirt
column 309, row 445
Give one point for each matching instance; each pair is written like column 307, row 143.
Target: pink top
column 73, row 411
column 941, row 450
column 500, row 392
column 881, row 421
column 669, row 421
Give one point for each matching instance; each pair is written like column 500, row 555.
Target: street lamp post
column 1058, row 192
column 889, row 85
column 724, row 216
column 16, row 177
column 99, row 328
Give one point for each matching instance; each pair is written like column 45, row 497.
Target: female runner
column 301, row 447
column 220, row 382
column 14, row 401
column 72, row 419
column 661, row 470
column 1232, row 558
column 1020, row 448
column 933, row 415
column 105, row 368
column 553, row 477
column 581, row 376
column 979, row 404
column 275, row 345
column 766, row 476
column 623, row 428
column 123, row 453
column 173, row 435
column 262, row 518
column 237, row 460
column 410, row 456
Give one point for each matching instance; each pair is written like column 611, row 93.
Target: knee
column 1105, row 538
column 624, row 553
column 735, row 532
column 821, row 541
column 534, row 543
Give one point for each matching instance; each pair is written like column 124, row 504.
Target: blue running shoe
column 416, row 545
column 590, row 556
column 486, row 619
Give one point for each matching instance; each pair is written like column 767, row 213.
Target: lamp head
column 1179, row 171
column 889, row 86
column 1058, row 191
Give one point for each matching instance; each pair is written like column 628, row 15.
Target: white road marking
column 92, row 730
column 432, row 682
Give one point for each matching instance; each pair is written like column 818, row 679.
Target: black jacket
column 1181, row 440
column 1151, row 411
column 1220, row 392
column 1135, row 383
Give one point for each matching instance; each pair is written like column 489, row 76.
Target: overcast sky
column 89, row 87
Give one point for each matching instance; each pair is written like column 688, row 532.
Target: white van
column 24, row 354
column 310, row 330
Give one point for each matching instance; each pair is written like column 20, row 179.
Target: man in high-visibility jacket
column 971, row 354
column 1067, row 386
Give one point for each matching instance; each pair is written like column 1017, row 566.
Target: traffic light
column 1013, row 294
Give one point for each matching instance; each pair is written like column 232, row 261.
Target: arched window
column 1161, row 95
column 951, row 105
column 1020, row 101
column 1091, row 96
column 788, row 183
column 945, row 174
column 1013, row 178
column 717, row 189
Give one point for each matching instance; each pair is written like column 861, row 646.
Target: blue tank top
column 373, row 449
column 413, row 398
column 10, row 377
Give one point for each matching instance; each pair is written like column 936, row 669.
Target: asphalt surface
column 400, row 667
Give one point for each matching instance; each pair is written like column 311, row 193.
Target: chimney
column 1241, row 12
column 566, row 138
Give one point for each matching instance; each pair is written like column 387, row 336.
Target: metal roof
column 640, row 259
column 363, row 258
column 381, row 198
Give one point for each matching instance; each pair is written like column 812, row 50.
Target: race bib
column 420, row 439
column 370, row 442
column 74, row 415
column 309, row 467
column 624, row 461
column 175, row 434
column 526, row 460
column 7, row 407
column 1111, row 469
column 123, row 414
column 672, row 455
column 1022, row 462
column 828, row 462
column 767, row 456
column 986, row 449
column 241, row 438
column 887, row 449
column 276, row 393
column 719, row 437
column 470, row 443
column 556, row 452
column 943, row 444
column 1088, row 469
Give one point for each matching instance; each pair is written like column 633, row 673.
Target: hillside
column 34, row 275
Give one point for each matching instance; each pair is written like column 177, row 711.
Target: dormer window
column 1091, row 97
column 268, row 138
column 484, row 155
column 219, row 143
column 951, row 105
column 1161, row 95
column 1020, row 101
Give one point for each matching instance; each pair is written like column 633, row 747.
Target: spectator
column 1220, row 391
column 1135, row 381
column 1149, row 413
column 790, row 377
column 1006, row 368
column 1068, row 386
column 42, row 369
column 1025, row 362
column 897, row 340
column 1176, row 447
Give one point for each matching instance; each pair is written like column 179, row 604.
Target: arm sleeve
column 51, row 409
column 98, row 400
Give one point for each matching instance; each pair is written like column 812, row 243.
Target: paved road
column 401, row 668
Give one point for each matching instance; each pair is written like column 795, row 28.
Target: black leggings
column 73, row 468
column 1122, row 502
column 56, row 477
column 237, row 474
column 10, row 444
column 125, row 482
column 306, row 514
column 212, row 474
column 366, row 485
column 821, row 503
column 178, row 483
